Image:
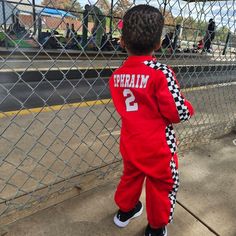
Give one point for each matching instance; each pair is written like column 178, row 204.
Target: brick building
column 24, row 11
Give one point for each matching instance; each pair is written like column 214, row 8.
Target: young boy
column 146, row 94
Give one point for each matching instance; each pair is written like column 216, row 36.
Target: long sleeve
column 172, row 104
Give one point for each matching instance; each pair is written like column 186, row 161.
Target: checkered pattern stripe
column 173, row 88
column 170, row 139
column 173, row 192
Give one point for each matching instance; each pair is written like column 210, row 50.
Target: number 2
column 129, row 101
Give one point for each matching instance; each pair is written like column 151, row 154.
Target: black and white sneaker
column 122, row 219
column 155, row 232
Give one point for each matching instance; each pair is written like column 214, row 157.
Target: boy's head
column 142, row 29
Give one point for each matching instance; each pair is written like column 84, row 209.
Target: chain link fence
column 59, row 130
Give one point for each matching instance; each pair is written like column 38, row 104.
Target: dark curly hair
column 142, row 29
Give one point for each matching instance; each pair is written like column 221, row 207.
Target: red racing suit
column 146, row 94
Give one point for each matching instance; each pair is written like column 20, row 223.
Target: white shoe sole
column 124, row 224
column 165, row 232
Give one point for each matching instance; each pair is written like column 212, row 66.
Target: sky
column 223, row 12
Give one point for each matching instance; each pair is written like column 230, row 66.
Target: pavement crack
column 196, row 217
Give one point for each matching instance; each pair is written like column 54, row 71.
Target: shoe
column 155, row 232
column 122, row 219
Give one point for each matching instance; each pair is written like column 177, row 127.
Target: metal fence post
column 226, row 43
column 5, row 23
column 39, row 28
column 34, row 17
column 111, row 18
column 85, row 28
column 177, row 32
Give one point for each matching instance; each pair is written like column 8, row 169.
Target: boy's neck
column 140, row 55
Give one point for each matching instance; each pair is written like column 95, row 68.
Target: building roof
column 25, row 6
column 21, row 5
column 205, row 0
column 56, row 12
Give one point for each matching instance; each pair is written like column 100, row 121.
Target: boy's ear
column 122, row 43
column 157, row 46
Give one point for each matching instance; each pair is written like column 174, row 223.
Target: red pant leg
column 161, row 197
column 130, row 187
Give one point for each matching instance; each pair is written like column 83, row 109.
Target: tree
column 192, row 29
column 104, row 5
column 169, row 18
column 71, row 5
column 120, row 7
column 222, row 33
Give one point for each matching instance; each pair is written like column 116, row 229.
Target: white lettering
column 144, row 81
column 137, row 81
column 122, row 81
column 117, row 80
column 127, row 79
column 131, row 85
column 115, row 84
column 131, row 80
column 130, row 103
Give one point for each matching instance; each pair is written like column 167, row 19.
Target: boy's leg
column 130, row 187
column 161, row 197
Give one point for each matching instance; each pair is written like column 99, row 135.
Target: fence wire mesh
column 57, row 121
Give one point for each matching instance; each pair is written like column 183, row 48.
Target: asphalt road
column 22, row 91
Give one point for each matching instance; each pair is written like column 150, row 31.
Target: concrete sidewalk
column 207, row 193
